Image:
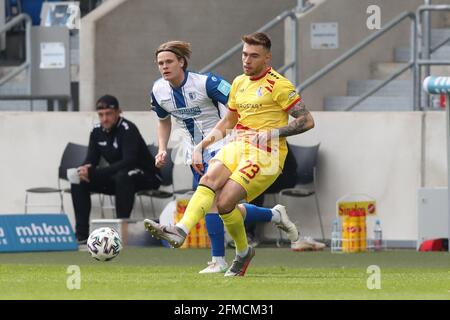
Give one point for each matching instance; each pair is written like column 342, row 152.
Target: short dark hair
column 258, row 39
column 181, row 49
column 107, row 102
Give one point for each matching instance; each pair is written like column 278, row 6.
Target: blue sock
column 216, row 232
column 255, row 214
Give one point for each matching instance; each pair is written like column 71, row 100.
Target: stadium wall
column 379, row 154
column 351, row 16
column 118, row 39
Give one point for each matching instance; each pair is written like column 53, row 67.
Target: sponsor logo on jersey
column 186, row 113
column 102, row 143
column 250, row 105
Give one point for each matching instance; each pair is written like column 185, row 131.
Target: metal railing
column 364, row 43
column 26, row 65
column 289, row 14
column 424, row 57
column 304, row 5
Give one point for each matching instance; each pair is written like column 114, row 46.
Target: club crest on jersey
column 192, row 95
column 259, row 92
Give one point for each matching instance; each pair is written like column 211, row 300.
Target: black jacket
column 122, row 147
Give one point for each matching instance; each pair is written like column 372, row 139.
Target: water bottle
column 377, row 236
column 335, row 237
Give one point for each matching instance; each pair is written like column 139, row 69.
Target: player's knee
column 225, row 205
column 208, row 181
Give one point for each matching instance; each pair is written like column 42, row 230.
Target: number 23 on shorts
column 250, row 169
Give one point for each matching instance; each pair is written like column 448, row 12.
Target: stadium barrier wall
column 350, row 32
column 379, row 154
column 118, row 57
column 118, row 40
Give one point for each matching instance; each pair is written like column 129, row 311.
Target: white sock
column 242, row 253
column 182, row 227
column 219, row 260
column 276, row 216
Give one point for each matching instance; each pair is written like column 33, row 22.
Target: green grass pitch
column 275, row 273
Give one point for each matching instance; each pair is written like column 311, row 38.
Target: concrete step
column 337, row 103
column 17, row 85
column 395, row 88
column 383, row 70
column 438, row 35
column 402, row 54
column 23, row 105
column 20, row 78
column 13, row 88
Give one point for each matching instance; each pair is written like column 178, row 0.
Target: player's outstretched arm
column 303, row 121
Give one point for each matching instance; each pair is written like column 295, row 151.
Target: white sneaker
column 306, row 244
column 286, row 224
column 215, row 267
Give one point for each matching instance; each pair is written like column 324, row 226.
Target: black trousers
column 122, row 185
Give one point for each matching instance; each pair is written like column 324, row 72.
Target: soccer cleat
column 215, row 267
column 172, row 234
column 306, row 244
column 240, row 264
column 286, row 224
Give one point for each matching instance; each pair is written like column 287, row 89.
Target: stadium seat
column 72, row 157
column 306, row 186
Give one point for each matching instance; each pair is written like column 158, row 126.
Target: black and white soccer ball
column 104, row 244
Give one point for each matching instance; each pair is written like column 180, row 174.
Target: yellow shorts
column 254, row 169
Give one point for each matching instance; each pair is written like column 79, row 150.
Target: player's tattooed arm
column 303, row 121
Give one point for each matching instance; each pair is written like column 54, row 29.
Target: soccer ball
column 104, row 244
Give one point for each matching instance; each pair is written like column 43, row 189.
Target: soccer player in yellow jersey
column 259, row 104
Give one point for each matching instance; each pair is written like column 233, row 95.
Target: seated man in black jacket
column 131, row 167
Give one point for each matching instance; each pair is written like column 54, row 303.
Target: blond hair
column 181, row 49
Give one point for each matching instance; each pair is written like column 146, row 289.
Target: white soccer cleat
column 286, row 224
column 307, row 244
column 215, row 267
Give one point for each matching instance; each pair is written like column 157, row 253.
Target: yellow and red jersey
column 262, row 103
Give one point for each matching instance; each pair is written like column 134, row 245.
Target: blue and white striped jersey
column 197, row 105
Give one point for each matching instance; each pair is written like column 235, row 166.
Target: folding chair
column 306, row 186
